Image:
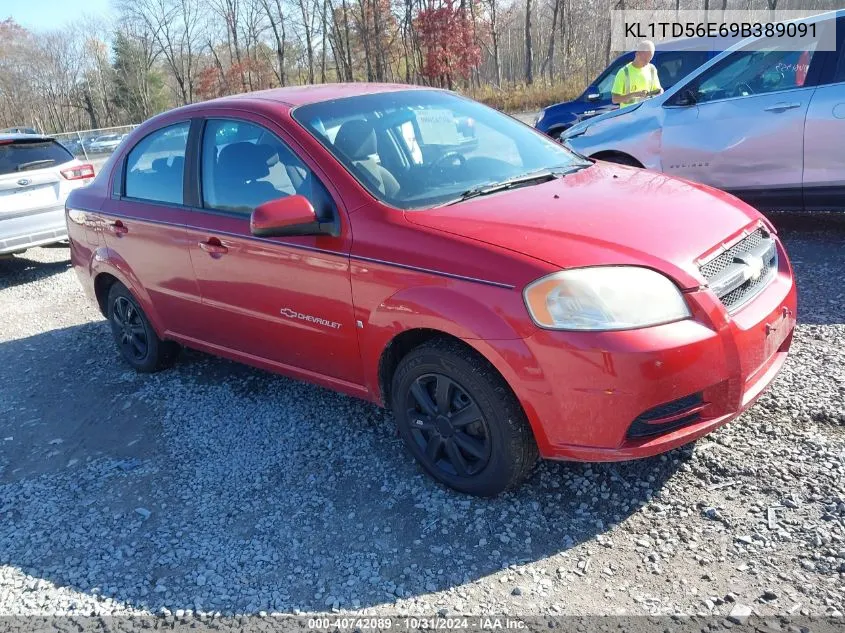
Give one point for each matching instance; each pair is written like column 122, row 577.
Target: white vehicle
column 106, row 143
column 36, row 175
column 764, row 120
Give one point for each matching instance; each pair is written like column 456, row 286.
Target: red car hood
column 605, row 214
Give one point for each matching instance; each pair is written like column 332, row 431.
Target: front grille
column 667, row 417
column 738, row 273
column 722, row 261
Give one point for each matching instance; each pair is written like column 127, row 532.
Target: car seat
column 237, row 181
column 356, row 140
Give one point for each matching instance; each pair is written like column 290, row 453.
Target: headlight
column 539, row 117
column 604, row 298
column 574, row 132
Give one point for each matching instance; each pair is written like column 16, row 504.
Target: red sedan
column 506, row 298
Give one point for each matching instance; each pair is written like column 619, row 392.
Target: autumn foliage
column 216, row 80
column 448, row 41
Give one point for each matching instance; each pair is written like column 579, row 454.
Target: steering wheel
column 449, row 159
column 743, row 90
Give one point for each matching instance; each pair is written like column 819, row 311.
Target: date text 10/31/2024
column 478, row 623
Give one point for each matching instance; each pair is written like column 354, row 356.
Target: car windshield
column 419, row 148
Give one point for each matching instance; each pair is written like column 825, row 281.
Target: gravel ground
column 216, row 487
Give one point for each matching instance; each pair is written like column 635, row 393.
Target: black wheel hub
column 131, row 334
column 448, row 426
column 443, row 425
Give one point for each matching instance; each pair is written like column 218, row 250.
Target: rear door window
column 155, row 167
column 23, row 155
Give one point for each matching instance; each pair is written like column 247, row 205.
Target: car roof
column 16, row 136
column 301, row 95
column 700, row 43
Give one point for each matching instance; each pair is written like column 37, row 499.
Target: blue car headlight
column 574, row 132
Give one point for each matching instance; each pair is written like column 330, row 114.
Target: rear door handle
column 213, row 247
column 118, row 228
column 781, row 107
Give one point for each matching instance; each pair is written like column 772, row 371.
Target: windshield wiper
column 540, row 176
column 35, row 163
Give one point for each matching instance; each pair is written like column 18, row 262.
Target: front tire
column 556, row 133
column 135, row 338
column 460, row 420
column 619, row 158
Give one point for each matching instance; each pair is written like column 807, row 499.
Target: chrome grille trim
column 738, row 272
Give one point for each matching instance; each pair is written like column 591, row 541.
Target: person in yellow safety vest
column 637, row 80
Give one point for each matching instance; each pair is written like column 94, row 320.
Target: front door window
column 245, row 165
column 755, row 72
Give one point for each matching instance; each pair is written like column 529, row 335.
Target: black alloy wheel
column 448, row 426
column 132, row 333
column 137, row 341
column 460, row 419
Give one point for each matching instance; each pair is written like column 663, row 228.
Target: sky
column 39, row 15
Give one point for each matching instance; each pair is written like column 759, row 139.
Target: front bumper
column 582, row 392
column 35, row 228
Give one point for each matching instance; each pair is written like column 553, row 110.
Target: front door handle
column 118, row 228
column 782, row 107
column 213, row 247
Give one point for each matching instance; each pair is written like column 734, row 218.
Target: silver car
column 107, row 143
column 765, row 125
column 36, row 176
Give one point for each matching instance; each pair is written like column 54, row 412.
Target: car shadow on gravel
column 214, row 486
column 814, row 243
column 18, row 270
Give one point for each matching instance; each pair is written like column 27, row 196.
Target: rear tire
column 135, row 338
column 460, row 420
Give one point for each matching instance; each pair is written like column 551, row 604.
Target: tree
column 138, row 87
column 308, row 31
column 17, row 97
column 492, row 7
column 447, row 38
column 276, row 18
column 549, row 61
column 175, row 26
column 529, row 48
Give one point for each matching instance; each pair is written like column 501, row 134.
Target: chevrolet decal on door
column 293, row 314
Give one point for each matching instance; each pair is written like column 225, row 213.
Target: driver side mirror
column 292, row 215
column 593, row 94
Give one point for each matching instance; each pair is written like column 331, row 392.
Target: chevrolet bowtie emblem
column 755, row 265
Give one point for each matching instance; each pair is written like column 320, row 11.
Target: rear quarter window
column 25, row 155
